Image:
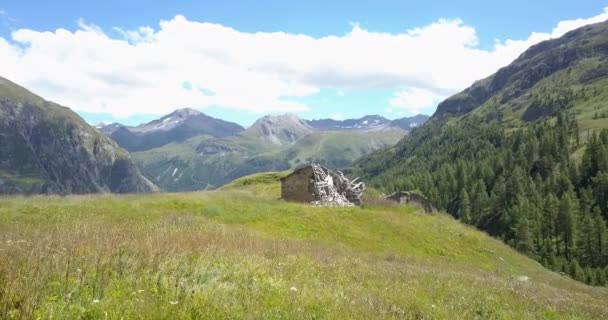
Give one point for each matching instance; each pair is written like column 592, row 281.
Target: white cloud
column 128, row 72
column 415, row 99
column 337, row 116
column 388, row 110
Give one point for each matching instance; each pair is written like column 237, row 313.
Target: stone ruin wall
column 297, row 186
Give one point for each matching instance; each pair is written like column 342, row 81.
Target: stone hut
column 412, row 198
column 320, row 186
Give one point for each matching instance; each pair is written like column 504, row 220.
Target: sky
column 133, row 61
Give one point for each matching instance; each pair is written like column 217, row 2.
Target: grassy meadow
column 240, row 253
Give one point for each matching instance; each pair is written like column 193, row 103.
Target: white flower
column 140, row 291
column 293, row 289
column 96, row 301
column 173, row 302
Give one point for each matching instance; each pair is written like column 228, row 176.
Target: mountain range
column 186, row 123
column 188, row 150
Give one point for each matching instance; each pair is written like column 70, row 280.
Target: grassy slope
column 236, row 252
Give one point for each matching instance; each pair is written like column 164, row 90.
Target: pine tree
column 465, row 207
column 587, row 255
column 567, row 224
column 590, row 277
column 600, row 235
column 479, row 202
column 523, row 233
column 575, row 271
column 600, row 276
column 600, row 190
column 549, row 227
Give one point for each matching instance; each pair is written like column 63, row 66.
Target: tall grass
column 241, row 254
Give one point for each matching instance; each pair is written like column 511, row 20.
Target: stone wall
column 412, row 198
column 298, row 187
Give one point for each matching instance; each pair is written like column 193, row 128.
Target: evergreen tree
column 587, row 253
column 479, row 202
column 567, row 224
column 465, row 207
column 523, row 233
column 600, row 236
column 600, row 190
column 549, row 227
column 575, row 271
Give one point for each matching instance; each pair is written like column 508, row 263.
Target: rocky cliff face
column 47, row 148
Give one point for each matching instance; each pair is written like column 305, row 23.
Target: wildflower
column 140, row 290
column 96, row 301
column 293, row 289
column 173, row 302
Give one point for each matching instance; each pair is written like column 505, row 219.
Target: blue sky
column 335, row 59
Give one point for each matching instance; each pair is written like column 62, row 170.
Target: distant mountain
column 370, row 122
column 177, row 126
column 47, row 148
column 108, row 129
column 280, row 130
column 204, row 159
column 410, row 123
column 366, row 123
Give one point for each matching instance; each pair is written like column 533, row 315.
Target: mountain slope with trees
column 522, row 155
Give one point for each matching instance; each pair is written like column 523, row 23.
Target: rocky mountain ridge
column 47, row 148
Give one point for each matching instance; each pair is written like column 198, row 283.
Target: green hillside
column 204, row 162
column 339, row 149
column 241, row 253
